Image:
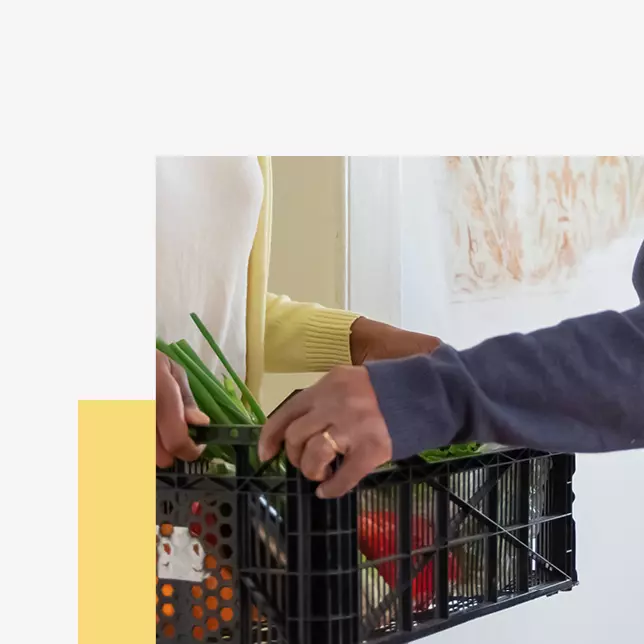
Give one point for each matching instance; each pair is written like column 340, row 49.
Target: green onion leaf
column 246, row 394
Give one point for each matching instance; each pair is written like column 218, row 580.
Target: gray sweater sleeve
column 575, row 387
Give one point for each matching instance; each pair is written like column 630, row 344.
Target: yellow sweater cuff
column 327, row 338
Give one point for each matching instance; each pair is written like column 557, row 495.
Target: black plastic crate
column 444, row 543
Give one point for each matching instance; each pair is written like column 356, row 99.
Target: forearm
column 309, row 337
column 576, row 387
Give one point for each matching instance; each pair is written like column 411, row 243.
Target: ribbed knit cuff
column 327, row 342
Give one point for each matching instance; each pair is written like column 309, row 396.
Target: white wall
column 308, row 244
column 609, row 509
column 397, row 237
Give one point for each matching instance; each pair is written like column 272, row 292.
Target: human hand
column 371, row 340
column 337, row 415
column 176, row 407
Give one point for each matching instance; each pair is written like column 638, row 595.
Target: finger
column 299, row 432
column 355, row 467
column 273, row 434
column 194, row 416
column 192, row 413
column 164, row 458
column 171, row 422
column 316, row 458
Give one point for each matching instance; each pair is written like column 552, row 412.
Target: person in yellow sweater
column 213, row 246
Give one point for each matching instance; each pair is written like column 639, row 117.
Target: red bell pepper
column 377, row 538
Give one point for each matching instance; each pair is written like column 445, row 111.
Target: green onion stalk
column 226, row 402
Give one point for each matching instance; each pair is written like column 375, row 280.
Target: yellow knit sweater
column 283, row 336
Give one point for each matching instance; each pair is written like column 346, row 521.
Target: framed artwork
column 520, row 223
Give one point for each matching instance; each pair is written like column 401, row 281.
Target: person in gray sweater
column 574, row 387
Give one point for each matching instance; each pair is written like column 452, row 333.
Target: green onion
column 205, row 401
column 246, row 394
column 233, row 404
column 231, row 416
column 184, row 346
column 231, row 390
column 227, row 402
column 228, row 386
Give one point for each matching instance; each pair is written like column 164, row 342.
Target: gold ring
column 330, row 441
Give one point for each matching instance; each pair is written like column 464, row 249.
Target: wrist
column 371, row 340
column 359, row 340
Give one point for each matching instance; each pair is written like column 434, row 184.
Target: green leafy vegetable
column 453, row 451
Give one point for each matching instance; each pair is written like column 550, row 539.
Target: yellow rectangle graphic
column 116, row 521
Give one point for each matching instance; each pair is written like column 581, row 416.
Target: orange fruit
column 226, row 573
column 226, row 614
column 198, row 633
column 166, row 529
column 167, row 590
column 226, row 593
column 197, row 592
column 211, row 562
column 212, row 624
column 169, row 630
column 167, row 610
column 211, row 583
column 211, row 602
column 197, row 612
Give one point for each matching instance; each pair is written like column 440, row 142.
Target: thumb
column 194, row 415
column 191, row 412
